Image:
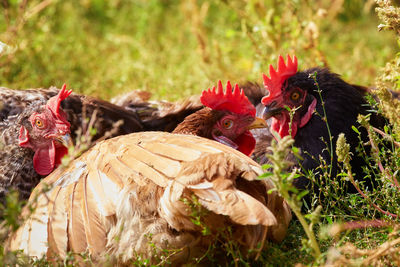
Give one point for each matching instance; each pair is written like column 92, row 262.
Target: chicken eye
column 295, row 96
column 227, row 124
column 39, row 123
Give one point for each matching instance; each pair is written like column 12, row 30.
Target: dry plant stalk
column 386, row 254
column 196, row 16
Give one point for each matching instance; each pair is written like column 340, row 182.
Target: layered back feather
column 125, row 198
column 158, row 115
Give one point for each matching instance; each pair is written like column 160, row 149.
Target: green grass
column 177, row 48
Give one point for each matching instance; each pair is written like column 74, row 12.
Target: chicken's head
column 235, row 116
column 285, row 95
column 47, row 134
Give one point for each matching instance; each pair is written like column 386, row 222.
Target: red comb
column 54, row 102
column 274, row 84
column 235, row 101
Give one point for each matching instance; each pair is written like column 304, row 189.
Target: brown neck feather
column 199, row 123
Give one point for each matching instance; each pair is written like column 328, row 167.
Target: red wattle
column 44, row 159
column 282, row 126
column 60, row 153
column 246, row 143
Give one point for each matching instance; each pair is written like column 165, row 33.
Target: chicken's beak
column 66, row 140
column 257, row 123
column 271, row 111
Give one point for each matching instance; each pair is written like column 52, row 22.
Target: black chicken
column 305, row 92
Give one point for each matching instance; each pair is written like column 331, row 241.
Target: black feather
column 343, row 103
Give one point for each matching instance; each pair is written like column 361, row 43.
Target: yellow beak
column 257, row 123
column 66, row 140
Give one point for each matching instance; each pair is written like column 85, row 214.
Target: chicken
column 343, row 102
column 133, row 196
column 81, row 114
column 107, row 119
column 33, row 143
column 226, row 118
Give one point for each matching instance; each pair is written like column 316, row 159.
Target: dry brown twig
column 386, row 254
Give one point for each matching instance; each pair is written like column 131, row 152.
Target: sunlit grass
column 178, row 48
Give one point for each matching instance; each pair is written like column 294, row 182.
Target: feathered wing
column 128, row 191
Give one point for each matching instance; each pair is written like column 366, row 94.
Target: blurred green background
column 175, row 48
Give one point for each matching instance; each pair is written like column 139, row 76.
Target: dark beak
column 257, row 123
column 66, row 140
column 271, row 111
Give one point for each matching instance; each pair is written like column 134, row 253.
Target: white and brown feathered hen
column 125, row 197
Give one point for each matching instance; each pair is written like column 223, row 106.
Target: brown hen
column 128, row 197
column 227, row 118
